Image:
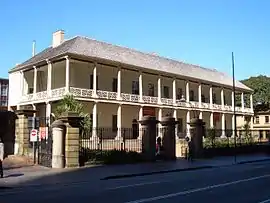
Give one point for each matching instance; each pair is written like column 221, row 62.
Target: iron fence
column 105, row 139
column 225, row 138
column 226, row 142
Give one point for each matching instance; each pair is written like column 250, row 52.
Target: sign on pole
column 34, row 135
column 43, row 133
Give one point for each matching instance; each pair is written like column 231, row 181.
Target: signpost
column 34, row 139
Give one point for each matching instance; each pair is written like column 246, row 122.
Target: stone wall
column 72, row 147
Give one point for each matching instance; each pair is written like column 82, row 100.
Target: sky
column 203, row 32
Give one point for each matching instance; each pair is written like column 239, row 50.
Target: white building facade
column 118, row 85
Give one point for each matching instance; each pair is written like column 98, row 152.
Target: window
column 114, row 123
column 135, row 87
column 224, row 99
column 114, row 85
column 214, row 98
column 203, row 98
column 4, row 103
column 191, row 96
column 30, row 91
column 180, row 125
column 247, row 118
column 179, row 93
column 92, row 82
column 4, row 90
column 151, row 90
column 166, row 92
column 266, row 119
column 257, row 120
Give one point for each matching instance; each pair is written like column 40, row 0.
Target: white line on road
column 136, row 185
column 197, row 190
column 265, row 201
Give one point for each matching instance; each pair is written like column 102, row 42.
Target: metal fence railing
column 215, row 138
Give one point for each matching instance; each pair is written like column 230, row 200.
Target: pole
column 235, row 130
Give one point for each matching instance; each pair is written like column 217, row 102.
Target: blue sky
column 194, row 31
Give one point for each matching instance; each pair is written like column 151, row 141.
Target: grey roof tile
column 93, row 48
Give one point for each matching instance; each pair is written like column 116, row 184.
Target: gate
column 45, row 150
column 43, row 147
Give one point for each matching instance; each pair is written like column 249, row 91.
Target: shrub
column 109, row 157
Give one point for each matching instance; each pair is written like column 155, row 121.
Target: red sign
column 149, row 111
column 33, row 135
column 43, row 132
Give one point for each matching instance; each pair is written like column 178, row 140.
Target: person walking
column 158, row 148
column 190, row 149
column 1, row 158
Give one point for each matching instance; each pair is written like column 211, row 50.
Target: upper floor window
column 224, row 99
column 179, row 93
column 166, row 92
column 247, row 118
column 92, row 82
column 114, row 85
column 266, row 119
column 30, row 90
column 203, row 98
column 4, row 90
column 4, row 101
column 135, row 87
column 191, row 96
column 214, row 98
column 257, row 119
column 151, row 90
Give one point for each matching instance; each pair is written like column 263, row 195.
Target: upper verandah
column 83, row 47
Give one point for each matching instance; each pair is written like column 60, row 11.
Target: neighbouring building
column 4, row 94
column 259, row 122
column 119, row 84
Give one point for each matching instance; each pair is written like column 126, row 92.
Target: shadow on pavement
column 14, row 175
column 47, row 176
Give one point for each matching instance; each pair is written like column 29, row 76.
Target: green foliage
column 261, row 87
column 70, row 104
column 247, row 133
column 109, row 157
column 211, row 135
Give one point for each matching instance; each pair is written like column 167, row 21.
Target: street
column 238, row 183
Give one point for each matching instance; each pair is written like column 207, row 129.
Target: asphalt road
column 241, row 183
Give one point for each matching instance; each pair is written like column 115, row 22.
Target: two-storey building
column 119, row 84
column 4, row 94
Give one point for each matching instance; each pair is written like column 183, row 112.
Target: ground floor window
column 114, row 123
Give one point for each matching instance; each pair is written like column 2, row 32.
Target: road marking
column 259, row 167
column 138, row 184
column 265, row 201
column 151, row 199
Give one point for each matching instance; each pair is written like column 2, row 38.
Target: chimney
column 58, row 38
column 34, row 48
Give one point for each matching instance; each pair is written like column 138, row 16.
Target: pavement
column 231, row 183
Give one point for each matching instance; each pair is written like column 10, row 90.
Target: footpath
column 20, row 172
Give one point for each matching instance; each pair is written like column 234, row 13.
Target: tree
column 261, row 87
column 70, row 104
